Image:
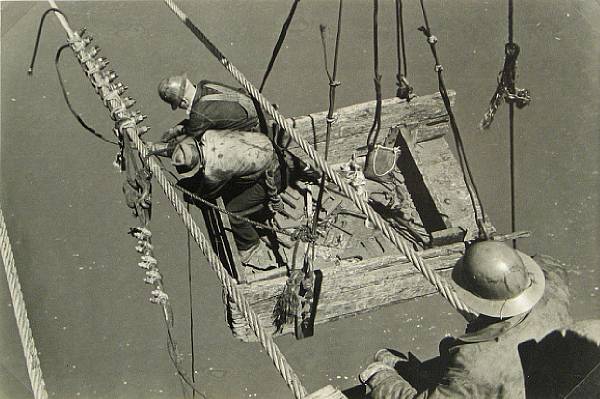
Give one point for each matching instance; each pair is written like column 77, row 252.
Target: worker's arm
column 386, row 383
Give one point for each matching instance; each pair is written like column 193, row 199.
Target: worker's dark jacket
column 485, row 362
column 218, row 106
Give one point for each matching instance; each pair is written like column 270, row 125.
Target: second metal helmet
column 172, row 90
column 496, row 280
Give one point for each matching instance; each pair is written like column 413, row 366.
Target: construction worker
column 518, row 302
column 243, row 168
column 209, row 105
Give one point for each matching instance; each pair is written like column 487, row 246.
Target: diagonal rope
column 403, row 245
column 14, row 286
column 127, row 126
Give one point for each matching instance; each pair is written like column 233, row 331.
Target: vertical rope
column 189, row 265
column 511, row 128
column 18, row 303
column 403, row 245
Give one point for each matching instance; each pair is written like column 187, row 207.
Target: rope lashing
column 506, row 90
column 403, row 245
column 462, row 156
column 38, row 386
column 127, row 126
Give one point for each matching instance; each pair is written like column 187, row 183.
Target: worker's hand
column 172, row 133
column 376, row 373
column 276, row 206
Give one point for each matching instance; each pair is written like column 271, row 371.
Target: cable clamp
column 159, row 297
column 141, row 233
column 143, row 247
column 152, row 276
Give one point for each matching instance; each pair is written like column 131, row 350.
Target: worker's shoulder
column 257, row 138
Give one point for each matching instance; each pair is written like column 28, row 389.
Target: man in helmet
column 241, row 167
column 209, row 105
column 517, row 300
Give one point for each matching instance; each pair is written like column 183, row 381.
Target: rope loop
column 334, row 119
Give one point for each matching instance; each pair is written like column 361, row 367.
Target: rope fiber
column 32, row 360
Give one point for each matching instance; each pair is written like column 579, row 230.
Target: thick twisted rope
column 403, row 245
column 228, row 282
column 127, row 125
column 18, row 303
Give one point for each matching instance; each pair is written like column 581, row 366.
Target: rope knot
column 438, row 68
column 431, row 39
column 333, row 119
column 335, row 83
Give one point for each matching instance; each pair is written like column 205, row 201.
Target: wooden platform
column 359, row 268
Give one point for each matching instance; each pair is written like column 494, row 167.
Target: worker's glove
column 172, row 133
column 276, row 206
column 384, row 382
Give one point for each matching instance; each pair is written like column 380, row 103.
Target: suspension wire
column 404, row 90
column 464, row 164
column 510, row 21
column 511, row 128
column 189, row 266
column 375, row 127
column 279, row 44
column 262, row 121
column 66, row 97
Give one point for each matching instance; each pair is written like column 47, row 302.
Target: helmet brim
column 522, row 303
column 182, row 170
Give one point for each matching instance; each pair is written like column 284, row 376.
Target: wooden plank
column 443, row 178
column 350, row 288
column 350, row 130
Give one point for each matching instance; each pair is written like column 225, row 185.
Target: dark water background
column 97, row 334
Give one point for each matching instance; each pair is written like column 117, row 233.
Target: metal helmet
column 496, row 280
column 187, row 157
column 172, row 90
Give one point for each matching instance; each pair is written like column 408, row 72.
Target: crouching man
column 241, row 167
column 518, row 301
